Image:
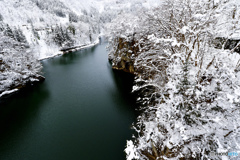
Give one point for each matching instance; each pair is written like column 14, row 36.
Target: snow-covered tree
column 73, row 17
column 61, row 36
column 8, row 31
column 19, row 36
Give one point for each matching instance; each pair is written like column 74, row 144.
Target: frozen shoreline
column 8, row 92
column 76, row 48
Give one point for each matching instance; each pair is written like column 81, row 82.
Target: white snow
column 130, row 151
column 8, row 92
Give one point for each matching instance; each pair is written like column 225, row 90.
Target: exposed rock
column 123, row 58
column 231, row 44
column 221, row 42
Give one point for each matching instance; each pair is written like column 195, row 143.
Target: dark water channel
column 82, row 111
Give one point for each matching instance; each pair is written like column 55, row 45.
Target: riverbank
column 21, row 85
column 71, row 49
column 38, row 78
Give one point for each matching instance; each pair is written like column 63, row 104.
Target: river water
column 82, row 111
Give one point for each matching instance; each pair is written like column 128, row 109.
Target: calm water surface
column 83, row 111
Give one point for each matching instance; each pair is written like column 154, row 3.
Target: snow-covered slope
column 39, row 19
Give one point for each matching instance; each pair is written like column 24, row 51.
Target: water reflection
column 124, row 82
column 18, row 113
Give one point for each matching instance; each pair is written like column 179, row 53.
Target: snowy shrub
column 35, row 33
column 73, row 17
column 8, row 31
column 40, row 4
column 29, row 21
column 19, row 36
column 60, row 13
column 41, row 19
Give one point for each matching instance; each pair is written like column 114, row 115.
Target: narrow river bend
column 83, row 111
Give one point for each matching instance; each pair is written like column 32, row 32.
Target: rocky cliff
column 124, row 55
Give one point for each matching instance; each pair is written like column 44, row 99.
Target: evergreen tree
column 73, row 17
column 68, row 40
column 61, row 36
column 35, row 33
column 1, row 27
column 57, row 38
column 8, row 31
column 1, row 17
column 18, row 35
column 72, row 29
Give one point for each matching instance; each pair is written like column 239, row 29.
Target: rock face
column 124, row 56
column 230, row 44
column 24, row 83
column 126, row 52
column 30, row 81
column 125, row 64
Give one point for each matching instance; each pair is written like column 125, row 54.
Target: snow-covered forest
column 42, row 28
column 187, row 80
column 50, row 25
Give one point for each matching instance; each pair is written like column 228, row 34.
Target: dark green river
column 82, row 111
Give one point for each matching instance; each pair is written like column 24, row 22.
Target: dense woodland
column 188, row 90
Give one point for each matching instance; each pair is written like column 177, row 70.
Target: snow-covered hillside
column 40, row 22
column 42, row 28
column 33, row 29
column 38, row 19
column 188, row 90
